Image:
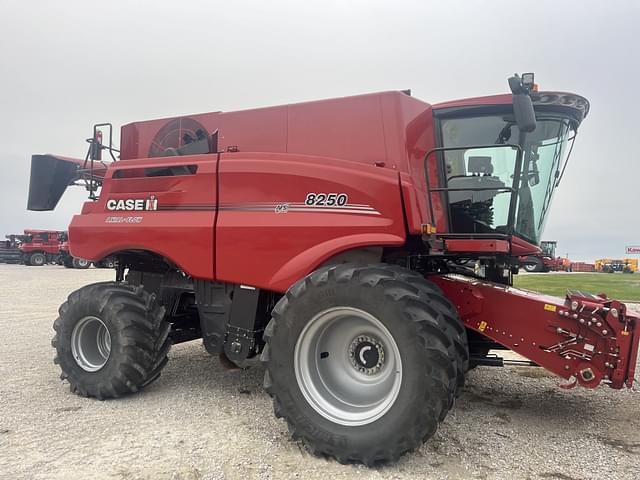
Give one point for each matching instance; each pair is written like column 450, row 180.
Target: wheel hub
column 366, row 355
column 348, row 366
column 90, row 344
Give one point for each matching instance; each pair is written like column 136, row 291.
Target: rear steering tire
column 111, row 340
column 361, row 362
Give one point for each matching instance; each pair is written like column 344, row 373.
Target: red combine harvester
column 546, row 260
column 40, row 247
column 364, row 247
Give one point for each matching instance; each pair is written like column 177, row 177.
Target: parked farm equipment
column 608, row 265
column 40, row 247
column 10, row 249
column 546, row 260
column 363, row 247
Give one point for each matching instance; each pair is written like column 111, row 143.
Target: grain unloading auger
column 364, row 247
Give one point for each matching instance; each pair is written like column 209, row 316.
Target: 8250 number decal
column 326, row 199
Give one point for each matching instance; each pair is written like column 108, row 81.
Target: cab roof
column 577, row 104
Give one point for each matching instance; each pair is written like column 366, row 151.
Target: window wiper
column 554, row 171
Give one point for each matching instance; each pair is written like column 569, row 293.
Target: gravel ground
column 200, row 421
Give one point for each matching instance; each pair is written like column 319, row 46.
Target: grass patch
column 620, row 286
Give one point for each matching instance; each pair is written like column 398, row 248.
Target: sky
column 66, row 65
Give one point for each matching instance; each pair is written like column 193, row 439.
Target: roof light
column 527, row 81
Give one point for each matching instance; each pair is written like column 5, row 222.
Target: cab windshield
column 481, row 179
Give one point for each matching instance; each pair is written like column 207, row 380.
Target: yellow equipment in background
column 608, row 265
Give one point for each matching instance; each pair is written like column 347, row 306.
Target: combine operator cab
column 499, row 165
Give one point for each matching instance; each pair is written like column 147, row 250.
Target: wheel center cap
column 366, row 355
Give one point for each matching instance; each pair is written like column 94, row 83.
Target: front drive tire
column 359, row 363
column 111, row 340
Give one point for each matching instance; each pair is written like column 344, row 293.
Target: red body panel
column 275, row 239
column 522, row 247
column 264, row 233
column 181, row 229
column 465, row 246
column 370, row 148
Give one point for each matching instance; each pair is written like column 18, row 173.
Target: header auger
column 363, row 247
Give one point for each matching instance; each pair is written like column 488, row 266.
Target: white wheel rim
column 90, row 343
column 348, row 366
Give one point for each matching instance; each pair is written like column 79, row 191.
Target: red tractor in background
column 546, row 260
column 363, row 248
column 40, row 247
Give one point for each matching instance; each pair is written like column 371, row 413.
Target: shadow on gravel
column 538, row 404
column 191, row 368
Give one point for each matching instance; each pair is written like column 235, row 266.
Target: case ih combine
column 40, row 247
column 364, row 247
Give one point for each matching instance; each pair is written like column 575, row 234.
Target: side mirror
column 522, row 105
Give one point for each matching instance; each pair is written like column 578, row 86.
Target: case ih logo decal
column 132, row 204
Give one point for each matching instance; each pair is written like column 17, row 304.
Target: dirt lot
column 199, row 421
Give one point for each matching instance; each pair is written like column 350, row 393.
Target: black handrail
column 94, row 153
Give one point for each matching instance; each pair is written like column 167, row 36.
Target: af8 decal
column 326, row 199
column 132, row 204
column 282, row 208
